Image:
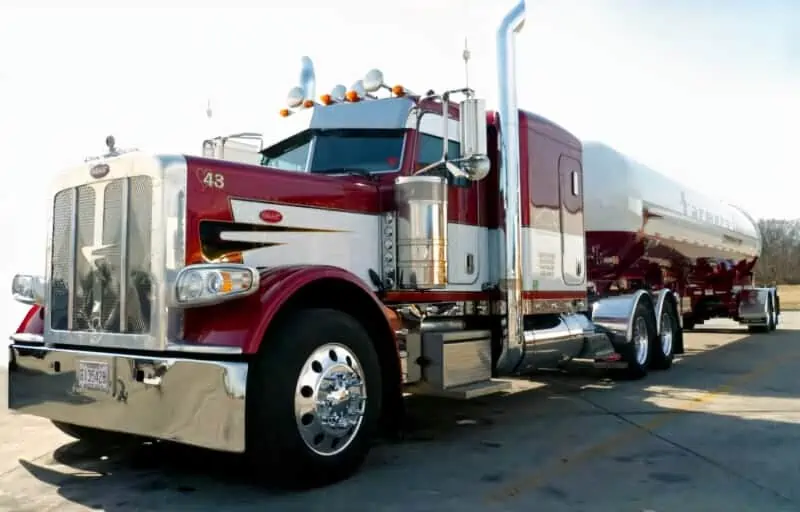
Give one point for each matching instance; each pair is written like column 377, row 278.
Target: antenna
column 466, row 56
column 209, row 110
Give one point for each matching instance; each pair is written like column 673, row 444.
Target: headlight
column 28, row 289
column 207, row 284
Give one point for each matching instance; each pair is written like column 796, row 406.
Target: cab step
column 465, row 391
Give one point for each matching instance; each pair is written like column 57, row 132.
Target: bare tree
column 780, row 256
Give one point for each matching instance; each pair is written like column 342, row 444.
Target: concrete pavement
column 717, row 432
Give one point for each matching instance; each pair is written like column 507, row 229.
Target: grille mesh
column 96, row 261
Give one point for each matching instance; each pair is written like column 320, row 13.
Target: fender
column 661, row 297
column 280, row 284
column 33, row 322
column 615, row 314
column 241, row 324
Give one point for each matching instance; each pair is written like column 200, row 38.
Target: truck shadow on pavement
column 495, row 449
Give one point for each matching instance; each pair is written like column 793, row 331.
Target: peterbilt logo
column 99, row 170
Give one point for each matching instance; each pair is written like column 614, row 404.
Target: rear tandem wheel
column 641, row 351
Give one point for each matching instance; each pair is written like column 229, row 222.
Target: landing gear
column 313, row 400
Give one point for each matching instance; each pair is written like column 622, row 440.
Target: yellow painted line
column 566, row 462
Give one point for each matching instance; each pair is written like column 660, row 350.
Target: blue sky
column 707, row 92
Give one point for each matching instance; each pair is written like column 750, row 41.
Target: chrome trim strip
column 123, row 255
column 26, row 337
column 511, row 279
column 170, row 253
column 200, row 403
column 73, row 247
column 193, row 348
column 172, row 346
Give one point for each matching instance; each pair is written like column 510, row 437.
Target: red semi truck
column 280, row 302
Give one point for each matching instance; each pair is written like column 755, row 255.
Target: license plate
column 93, row 375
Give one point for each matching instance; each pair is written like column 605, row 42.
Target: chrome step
column 465, row 391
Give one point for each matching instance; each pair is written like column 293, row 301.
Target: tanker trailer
column 645, row 230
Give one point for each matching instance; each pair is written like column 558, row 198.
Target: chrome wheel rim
column 329, row 399
column 666, row 334
column 640, row 340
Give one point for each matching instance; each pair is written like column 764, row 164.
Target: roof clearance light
column 295, row 97
column 399, row 90
column 326, row 99
column 356, row 92
column 285, row 112
column 308, row 103
column 338, row 93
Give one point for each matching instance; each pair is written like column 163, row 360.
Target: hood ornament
column 111, row 144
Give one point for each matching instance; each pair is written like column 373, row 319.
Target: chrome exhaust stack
column 511, row 279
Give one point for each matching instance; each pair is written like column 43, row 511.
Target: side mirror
column 28, row 289
column 473, row 159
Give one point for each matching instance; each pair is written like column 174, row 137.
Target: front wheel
column 313, row 399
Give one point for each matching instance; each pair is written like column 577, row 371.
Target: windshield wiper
column 352, row 171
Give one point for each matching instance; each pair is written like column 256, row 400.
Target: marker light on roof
column 356, row 92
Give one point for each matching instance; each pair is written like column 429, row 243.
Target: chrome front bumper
column 200, row 403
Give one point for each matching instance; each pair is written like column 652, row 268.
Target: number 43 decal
column 213, row 179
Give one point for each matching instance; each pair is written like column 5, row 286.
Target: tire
column 284, row 385
column 664, row 352
column 93, row 436
column 773, row 317
column 638, row 353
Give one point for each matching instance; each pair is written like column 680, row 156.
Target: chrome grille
column 100, row 261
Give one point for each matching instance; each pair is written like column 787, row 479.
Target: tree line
column 780, row 255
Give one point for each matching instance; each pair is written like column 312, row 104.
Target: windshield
column 337, row 151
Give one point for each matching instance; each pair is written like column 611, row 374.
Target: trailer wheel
column 663, row 356
column 771, row 326
column 314, row 399
column 773, row 313
column 638, row 353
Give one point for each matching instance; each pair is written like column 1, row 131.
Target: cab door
column 467, row 238
column 573, row 242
